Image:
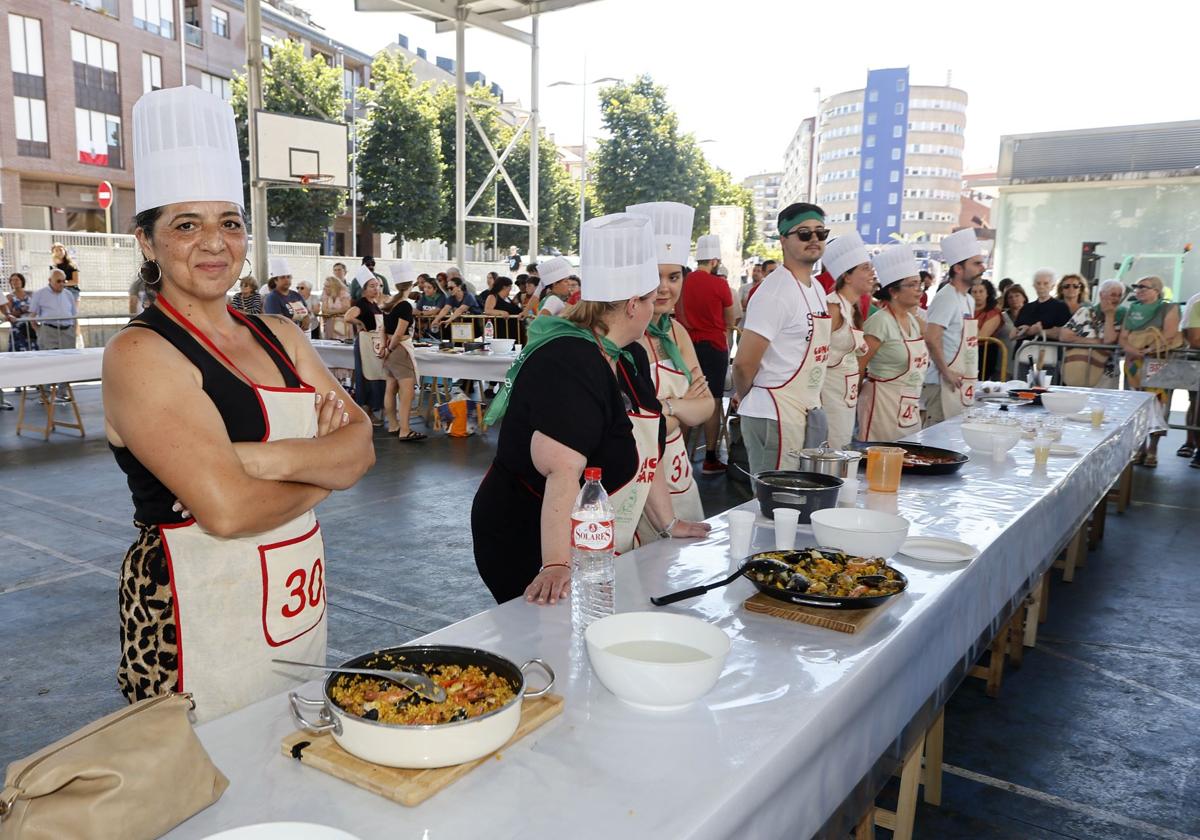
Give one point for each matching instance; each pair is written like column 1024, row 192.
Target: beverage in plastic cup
column 1041, row 450
column 786, row 520
column 883, row 468
column 741, row 529
column 1097, row 417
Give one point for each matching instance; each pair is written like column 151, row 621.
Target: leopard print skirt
column 149, row 652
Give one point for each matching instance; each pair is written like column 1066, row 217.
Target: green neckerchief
column 1138, row 315
column 543, row 330
column 661, row 329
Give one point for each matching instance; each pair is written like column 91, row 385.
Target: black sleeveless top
column 234, row 399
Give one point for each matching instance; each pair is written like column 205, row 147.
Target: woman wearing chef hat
column 847, row 260
column 230, row 430
column 577, row 396
column 896, row 359
column 552, row 291
column 679, row 384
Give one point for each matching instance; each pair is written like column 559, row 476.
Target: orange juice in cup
column 883, row 468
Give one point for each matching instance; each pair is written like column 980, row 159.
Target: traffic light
column 1089, row 259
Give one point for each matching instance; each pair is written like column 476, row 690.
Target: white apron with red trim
column 801, row 392
column 685, row 495
column 839, row 392
column 243, row 601
column 889, row 409
column 965, row 363
column 629, row 500
column 369, row 345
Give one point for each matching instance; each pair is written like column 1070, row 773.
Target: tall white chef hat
column 708, row 247
column 363, row 274
column 617, row 258
column 279, row 268
column 672, row 223
column 402, row 272
column 184, row 149
column 894, row 263
column 960, row 245
column 844, row 253
column 553, row 270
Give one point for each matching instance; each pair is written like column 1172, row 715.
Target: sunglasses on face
column 1140, row 287
column 806, row 234
column 1072, row 286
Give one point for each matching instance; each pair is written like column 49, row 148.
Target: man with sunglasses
column 951, row 332
column 780, row 364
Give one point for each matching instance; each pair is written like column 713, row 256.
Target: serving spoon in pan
column 762, row 565
column 418, row 684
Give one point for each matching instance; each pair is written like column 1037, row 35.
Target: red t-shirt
column 704, row 299
column 827, row 280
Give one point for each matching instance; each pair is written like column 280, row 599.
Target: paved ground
column 1096, row 736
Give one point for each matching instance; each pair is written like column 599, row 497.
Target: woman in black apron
column 214, row 417
column 579, row 395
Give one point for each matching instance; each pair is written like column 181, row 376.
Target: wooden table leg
column 1096, row 524
column 900, row 821
column 1016, row 636
column 931, row 777
column 865, row 830
column 1070, row 556
column 1044, row 606
column 1125, row 489
column 1033, row 611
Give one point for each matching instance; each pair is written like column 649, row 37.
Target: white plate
column 938, row 550
column 283, row 831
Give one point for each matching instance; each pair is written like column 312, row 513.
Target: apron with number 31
column 241, row 602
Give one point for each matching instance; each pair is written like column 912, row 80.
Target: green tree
column 645, row 156
column 479, row 161
column 399, row 156
column 558, row 199
column 305, row 87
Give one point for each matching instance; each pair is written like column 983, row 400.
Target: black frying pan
column 933, row 451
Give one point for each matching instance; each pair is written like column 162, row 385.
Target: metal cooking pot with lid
column 430, row 745
column 827, row 461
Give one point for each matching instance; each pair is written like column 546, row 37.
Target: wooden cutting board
column 843, row 621
column 408, row 787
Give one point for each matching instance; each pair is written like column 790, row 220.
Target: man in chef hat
column 706, row 309
column 951, row 333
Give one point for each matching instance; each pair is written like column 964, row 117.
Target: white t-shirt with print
column 553, row 304
column 947, row 310
column 781, row 311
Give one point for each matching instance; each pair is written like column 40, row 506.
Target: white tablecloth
column 487, row 367
column 42, row 367
column 798, row 718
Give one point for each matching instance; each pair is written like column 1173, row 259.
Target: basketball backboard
column 291, row 148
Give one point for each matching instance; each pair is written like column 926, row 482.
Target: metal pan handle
column 328, row 722
column 545, row 669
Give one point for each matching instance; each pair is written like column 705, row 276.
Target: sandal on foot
column 1151, row 460
column 1186, row 451
column 413, row 436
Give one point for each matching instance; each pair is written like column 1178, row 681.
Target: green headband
column 786, row 225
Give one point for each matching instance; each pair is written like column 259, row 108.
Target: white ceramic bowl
column 1064, row 403
column 283, row 831
column 986, row 437
column 656, row 660
column 503, row 345
column 864, row 533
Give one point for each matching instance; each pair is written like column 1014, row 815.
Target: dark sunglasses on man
column 806, row 234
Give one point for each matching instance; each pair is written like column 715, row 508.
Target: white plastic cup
column 848, row 495
column 741, row 530
column 786, row 520
column 1041, row 450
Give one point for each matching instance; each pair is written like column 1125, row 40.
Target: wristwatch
column 670, row 408
column 665, row 533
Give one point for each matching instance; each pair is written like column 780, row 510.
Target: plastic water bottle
column 489, row 332
column 593, row 541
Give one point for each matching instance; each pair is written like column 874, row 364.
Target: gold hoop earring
column 158, row 279
column 249, row 267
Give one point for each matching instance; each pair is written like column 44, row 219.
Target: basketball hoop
column 314, row 178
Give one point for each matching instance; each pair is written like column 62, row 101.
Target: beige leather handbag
column 134, row 774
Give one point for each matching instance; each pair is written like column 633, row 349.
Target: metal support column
column 460, row 146
column 534, row 86
column 260, row 226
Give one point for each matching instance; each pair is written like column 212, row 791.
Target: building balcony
column 194, row 35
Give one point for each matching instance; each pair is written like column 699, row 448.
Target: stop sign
column 104, row 195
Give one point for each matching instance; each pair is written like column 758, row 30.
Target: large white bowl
column 987, row 437
column 864, row 533
column 283, row 831
column 628, row 656
column 503, row 345
column 1064, row 403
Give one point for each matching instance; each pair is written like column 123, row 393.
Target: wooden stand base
column 46, row 397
